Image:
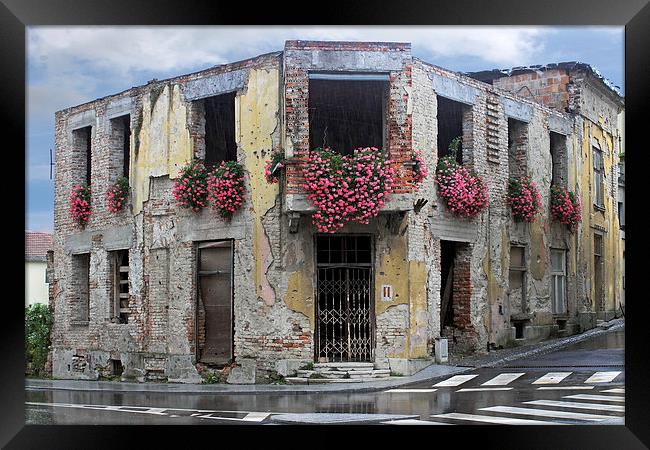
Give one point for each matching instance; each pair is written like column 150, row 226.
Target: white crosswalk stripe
column 552, row 378
column 493, row 419
column 546, row 413
column 456, row 380
column 406, row 391
column 606, row 398
column 413, row 422
column 602, row 377
column 502, row 379
column 567, row 388
column 577, row 405
column 487, row 389
column 616, row 390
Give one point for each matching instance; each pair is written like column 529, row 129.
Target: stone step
column 344, row 365
column 333, row 374
column 304, row 373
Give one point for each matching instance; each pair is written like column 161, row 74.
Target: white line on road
column 577, row 405
column 256, row 416
column 546, row 413
column 568, row 388
column 413, row 422
column 616, row 391
column 502, row 379
column 552, row 378
column 492, row 419
column 456, row 380
column 405, row 391
column 484, row 389
column 606, row 398
column 602, row 377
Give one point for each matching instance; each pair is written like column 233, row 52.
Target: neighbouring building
column 37, row 246
column 161, row 292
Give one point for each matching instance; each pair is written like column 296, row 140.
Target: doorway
column 215, row 302
column 345, row 303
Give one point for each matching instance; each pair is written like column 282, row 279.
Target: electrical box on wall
column 386, row 293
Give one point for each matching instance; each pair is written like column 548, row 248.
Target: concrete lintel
column 81, row 119
column 119, row 107
column 454, row 89
column 204, row 228
column 517, row 110
column 350, row 60
column 396, row 203
column 118, row 238
column 559, row 125
column 78, row 243
column 217, row 84
column 452, row 229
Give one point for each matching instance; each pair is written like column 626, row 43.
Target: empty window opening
column 517, row 280
column 347, row 114
column 561, row 325
column 559, row 160
column 517, row 148
column 220, row 144
column 80, row 288
column 83, row 147
column 344, row 307
column 454, row 126
column 598, row 272
column 519, row 329
column 120, row 269
column 599, row 179
column 447, row 255
column 116, row 367
column 121, row 146
column 558, row 281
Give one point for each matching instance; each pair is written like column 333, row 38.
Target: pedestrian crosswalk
column 593, row 409
column 502, row 382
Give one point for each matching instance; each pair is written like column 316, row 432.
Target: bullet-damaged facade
column 160, row 292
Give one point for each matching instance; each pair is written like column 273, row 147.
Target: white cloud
column 121, row 51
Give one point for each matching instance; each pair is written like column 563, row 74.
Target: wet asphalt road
column 595, row 402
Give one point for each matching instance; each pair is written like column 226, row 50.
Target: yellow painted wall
column 607, row 219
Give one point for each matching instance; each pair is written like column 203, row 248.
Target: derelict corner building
column 160, row 292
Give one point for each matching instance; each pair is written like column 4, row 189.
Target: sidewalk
column 433, row 372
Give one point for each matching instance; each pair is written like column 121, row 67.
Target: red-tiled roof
column 36, row 245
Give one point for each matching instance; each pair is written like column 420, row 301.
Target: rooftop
column 36, row 245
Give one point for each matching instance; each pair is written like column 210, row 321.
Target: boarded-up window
column 517, row 279
column 599, row 171
column 121, row 145
column 558, row 281
column 517, row 148
column 80, row 289
column 220, row 144
column 598, row 272
column 559, row 160
column 347, row 111
column 120, row 278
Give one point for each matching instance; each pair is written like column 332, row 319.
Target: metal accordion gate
column 345, row 306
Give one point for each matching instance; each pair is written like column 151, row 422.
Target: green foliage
column 38, row 324
column 455, row 145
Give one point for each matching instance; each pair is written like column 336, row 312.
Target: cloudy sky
column 67, row 66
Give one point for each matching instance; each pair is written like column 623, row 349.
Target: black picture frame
column 15, row 15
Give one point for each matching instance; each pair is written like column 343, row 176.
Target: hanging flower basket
column 420, row 170
column 464, row 192
column 191, row 188
column 347, row 188
column 523, row 198
column 226, row 188
column 118, row 195
column 565, row 207
column 80, row 204
column 273, row 167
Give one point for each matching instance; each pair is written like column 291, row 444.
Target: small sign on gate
column 386, row 293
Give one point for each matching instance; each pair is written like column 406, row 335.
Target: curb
column 430, row 373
